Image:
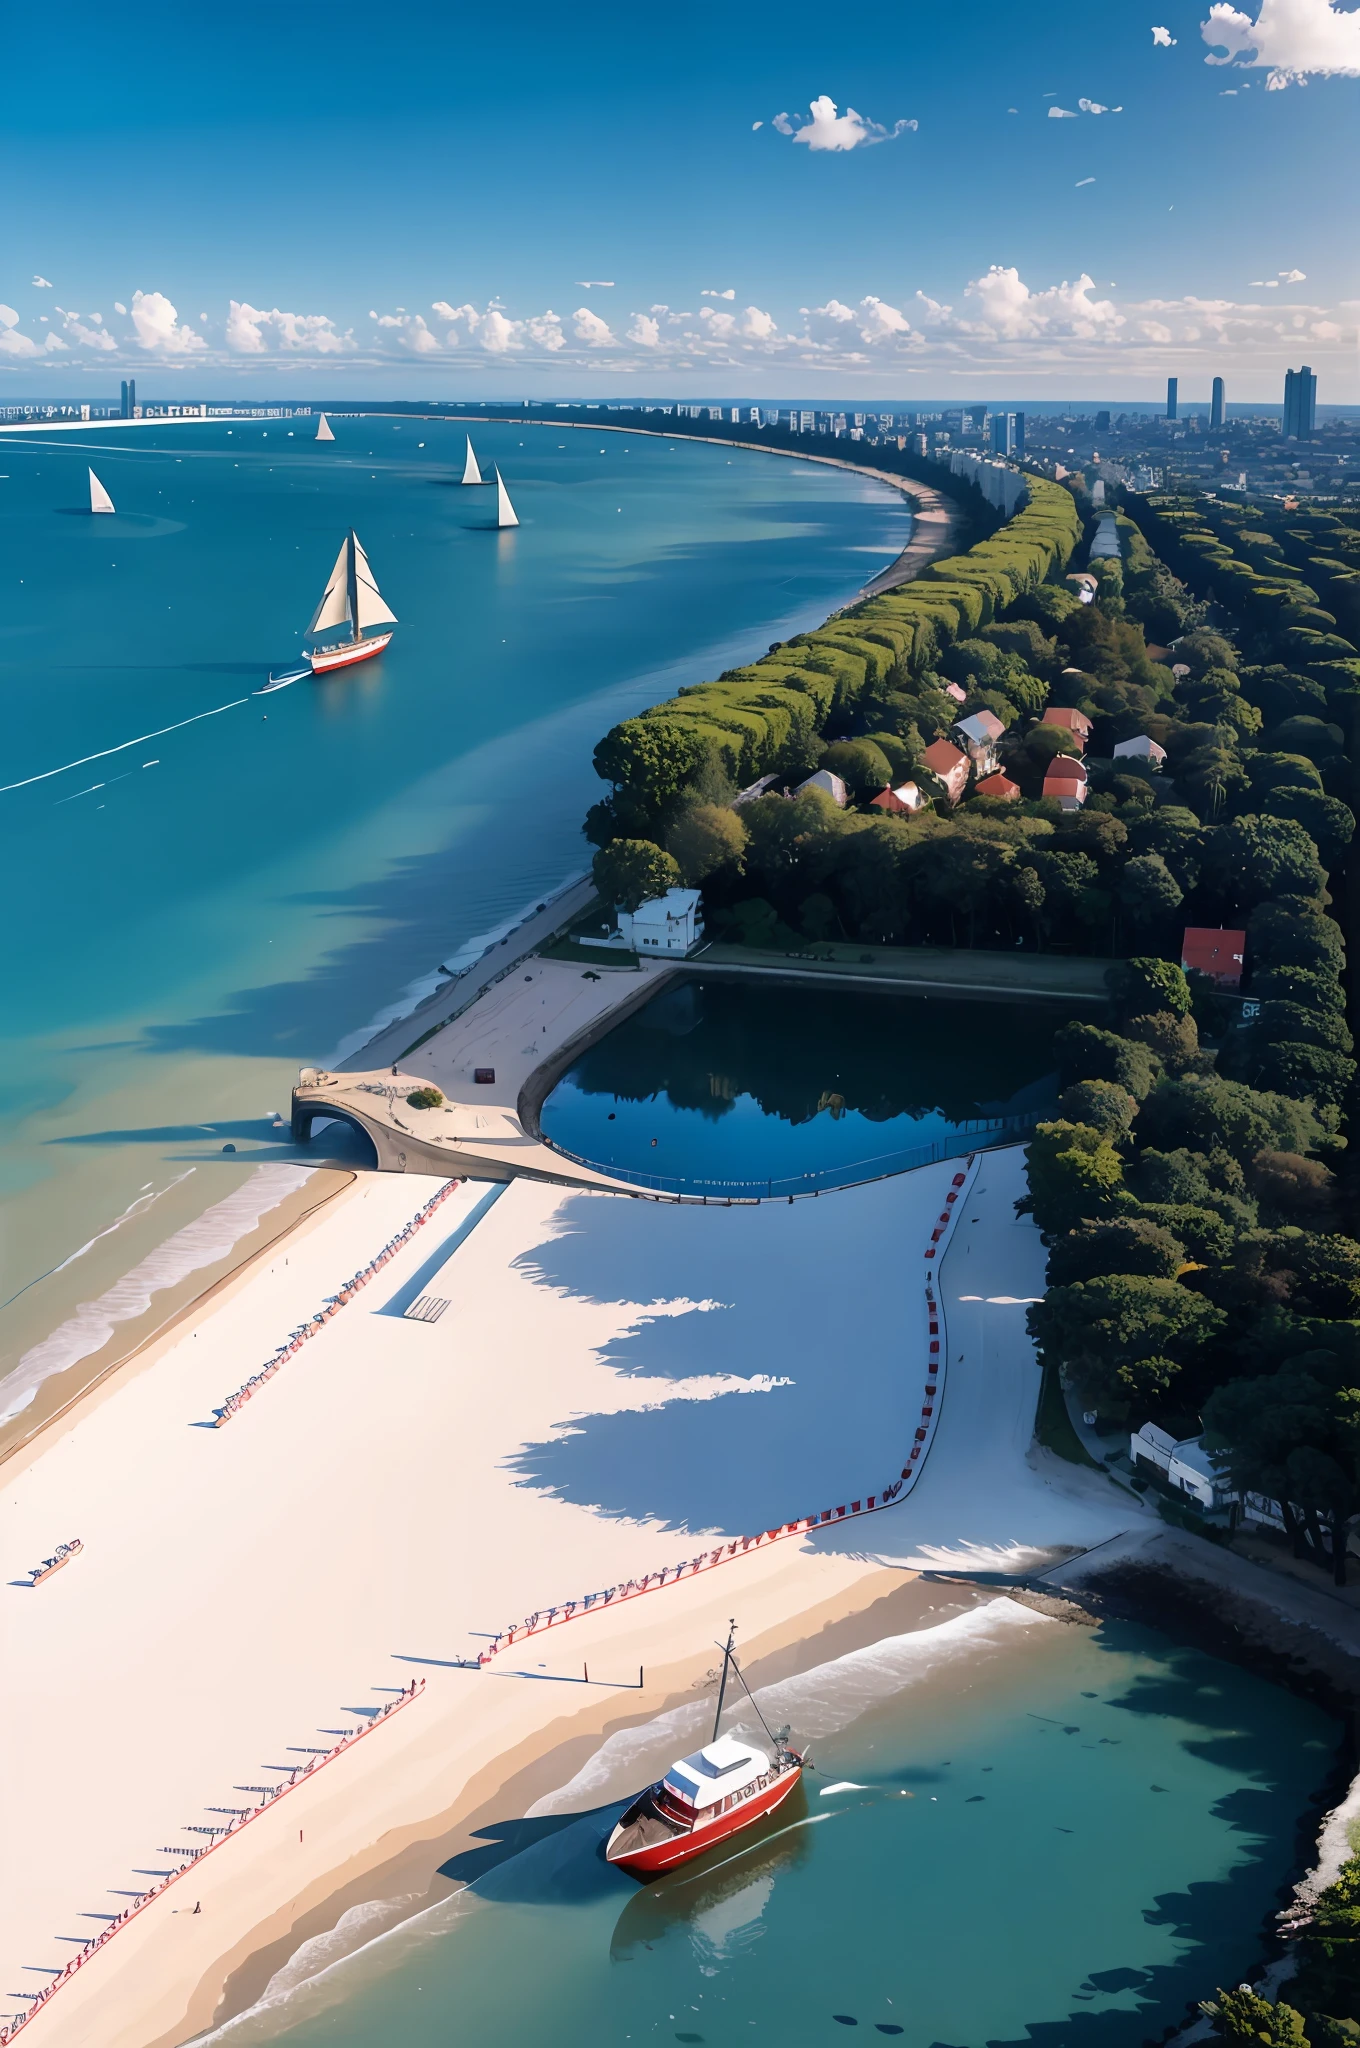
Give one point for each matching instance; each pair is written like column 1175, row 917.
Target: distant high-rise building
column 1018, row 440
column 1172, row 397
column 1003, row 433
column 1102, row 423
column 1216, row 407
column 1300, row 403
column 129, row 398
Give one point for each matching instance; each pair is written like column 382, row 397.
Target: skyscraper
column 1172, row 390
column 1216, row 407
column 1102, row 422
column 126, row 411
column 1300, row 403
column 1003, row 433
column 1018, row 445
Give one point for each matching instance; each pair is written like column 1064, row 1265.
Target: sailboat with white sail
column 471, row 473
column 100, row 501
column 323, row 429
column 506, row 514
column 351, row 598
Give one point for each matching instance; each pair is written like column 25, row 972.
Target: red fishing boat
column 705, row 1798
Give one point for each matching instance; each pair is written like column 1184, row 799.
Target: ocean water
column 729, row 1087
column 1041, row 1835
column 209, row 887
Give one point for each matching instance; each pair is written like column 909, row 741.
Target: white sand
column 242, row 1589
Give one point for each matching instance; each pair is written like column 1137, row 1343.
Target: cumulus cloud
column 500, row 334
column 119, row 307
column 706, row 294
column 828, row 129
column 1094, row 107
column 158, row 326
column 645, row 332
column 878, row 321
column 593, row 331
column 248, row 329
column 1008, row 309
column 1164, row 39
column 94, row 335
column 833, row 310
column 1293, row 276
column 545, row 330
column 1292, row 39
column 750, row 325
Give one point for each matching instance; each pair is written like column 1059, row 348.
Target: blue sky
column 413, row 200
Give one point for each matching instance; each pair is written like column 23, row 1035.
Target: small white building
column 1187, row 1465
column 673, row 923
column 829, row 785
column 1140, row 748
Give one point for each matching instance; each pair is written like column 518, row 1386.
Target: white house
column 1187, row 1465
column 673, row 923
column 1141, row 749
column 829, row 785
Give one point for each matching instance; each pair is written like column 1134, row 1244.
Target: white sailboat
column 100, row 501
column 471, row 473
column 506, row 514
column 352, row 599
column 323, row 429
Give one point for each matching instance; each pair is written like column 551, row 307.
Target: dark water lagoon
column 745, row 1088
column 1052, row 1837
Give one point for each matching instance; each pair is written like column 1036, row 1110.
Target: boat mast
column 722, row 1683
column 352, row 585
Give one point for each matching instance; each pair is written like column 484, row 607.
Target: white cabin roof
column 674, row 907
column 723, row 1767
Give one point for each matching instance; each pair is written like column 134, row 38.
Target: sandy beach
column 402, row 1490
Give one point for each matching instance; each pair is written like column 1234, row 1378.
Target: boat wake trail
column 104, row 752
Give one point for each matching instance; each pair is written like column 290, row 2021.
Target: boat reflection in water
column 716, row 1909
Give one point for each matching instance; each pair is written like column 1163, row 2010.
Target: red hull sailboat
column 705, row 1798
column 351, row 598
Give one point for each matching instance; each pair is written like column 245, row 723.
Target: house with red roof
column 1217, row 952
column 948, row 766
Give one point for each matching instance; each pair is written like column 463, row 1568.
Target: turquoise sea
column 257, row 879
column 1049, row 1836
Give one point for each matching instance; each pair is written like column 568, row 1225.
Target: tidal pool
column 746, row 1088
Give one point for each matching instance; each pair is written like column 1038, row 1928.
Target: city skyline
column 918, row 206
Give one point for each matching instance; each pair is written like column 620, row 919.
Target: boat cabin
column 714, row 1773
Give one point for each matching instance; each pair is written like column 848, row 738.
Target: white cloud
column 590, row 329
column 829, row 130
column 879, row 321
column 1293, row 276
column 645, row 332
column 755, row 125
column 1061, row 114
column 1094, row 107
column 300, row 333
column 1164, row 39
column 1293, row 39
column 600, row 284
column 546, row 330
column 752, row 325
column 13, row 343
column 706, row 294
column 42, row 284
column 1084, row 181
column 499, row 334
column 1008, row 309
column 833, row 310
column 94, row 336
column 119, row 307
column 158, row 326
column 1153, row 330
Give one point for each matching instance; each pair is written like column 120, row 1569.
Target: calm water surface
column 1098, row 1823
column 190, row 917
column 750, row 1087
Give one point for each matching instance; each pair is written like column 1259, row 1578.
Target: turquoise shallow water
column 725, row 1087
column 191, row 917
column 1097, row 1826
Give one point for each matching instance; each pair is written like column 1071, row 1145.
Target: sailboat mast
column 722, row 1684
column 352, row 584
